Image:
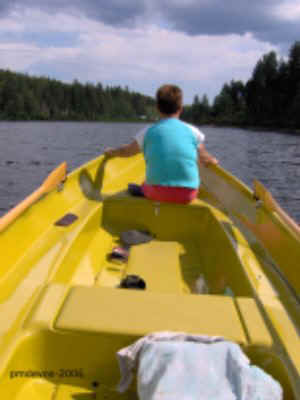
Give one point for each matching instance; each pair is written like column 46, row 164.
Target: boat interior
column 65, row 316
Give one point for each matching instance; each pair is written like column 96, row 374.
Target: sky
column 196, row 44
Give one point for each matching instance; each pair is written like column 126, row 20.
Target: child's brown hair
column 169, row 99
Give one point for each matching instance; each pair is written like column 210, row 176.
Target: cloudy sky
column 197, row 44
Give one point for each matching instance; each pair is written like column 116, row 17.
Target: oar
column 50, row 183
column 92, row 188
column 263, row 194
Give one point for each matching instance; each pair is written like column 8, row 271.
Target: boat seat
column 254, row 325
column 136, row 313
column 158, row 264
column 54, row 294
column 123, row 212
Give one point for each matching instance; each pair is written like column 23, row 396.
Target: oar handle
column 51, row 182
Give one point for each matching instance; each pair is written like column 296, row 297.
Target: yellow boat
column 63, row 316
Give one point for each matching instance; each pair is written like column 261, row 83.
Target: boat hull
column 64, row 316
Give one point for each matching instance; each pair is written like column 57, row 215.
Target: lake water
column 30, row 150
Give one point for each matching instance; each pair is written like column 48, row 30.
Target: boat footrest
column 157, row 263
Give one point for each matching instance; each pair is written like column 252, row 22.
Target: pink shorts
column 169, row 194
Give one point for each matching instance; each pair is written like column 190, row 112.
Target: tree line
column 270, row 98
column 23, row 97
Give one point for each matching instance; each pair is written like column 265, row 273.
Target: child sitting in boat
column 172, row 150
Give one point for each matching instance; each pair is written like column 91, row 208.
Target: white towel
column 187, row 367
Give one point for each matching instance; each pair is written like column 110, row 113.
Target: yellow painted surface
column 273, row 229
column 158, row 264
column 136, row 313
column 256, row 329
column 50, row 183
column 63, row 316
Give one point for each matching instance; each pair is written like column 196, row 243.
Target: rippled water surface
column 30, row 150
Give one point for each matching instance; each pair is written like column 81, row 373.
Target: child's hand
column 109, row 152
column 205, row 158
column 208, row 160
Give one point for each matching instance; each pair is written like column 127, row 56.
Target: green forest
column 39, row 98
column 270, row 98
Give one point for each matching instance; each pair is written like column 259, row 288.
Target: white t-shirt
column 140, row 136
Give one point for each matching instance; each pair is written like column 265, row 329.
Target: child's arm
column 127, row 150
column 204, row 157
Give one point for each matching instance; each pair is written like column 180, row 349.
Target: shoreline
column 256, row 128
column 115, row 121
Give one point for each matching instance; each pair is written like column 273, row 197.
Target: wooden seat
column 158, row 264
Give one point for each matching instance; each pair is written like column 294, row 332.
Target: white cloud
column 18, row 56
column 289, row 10
column 140, row 57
